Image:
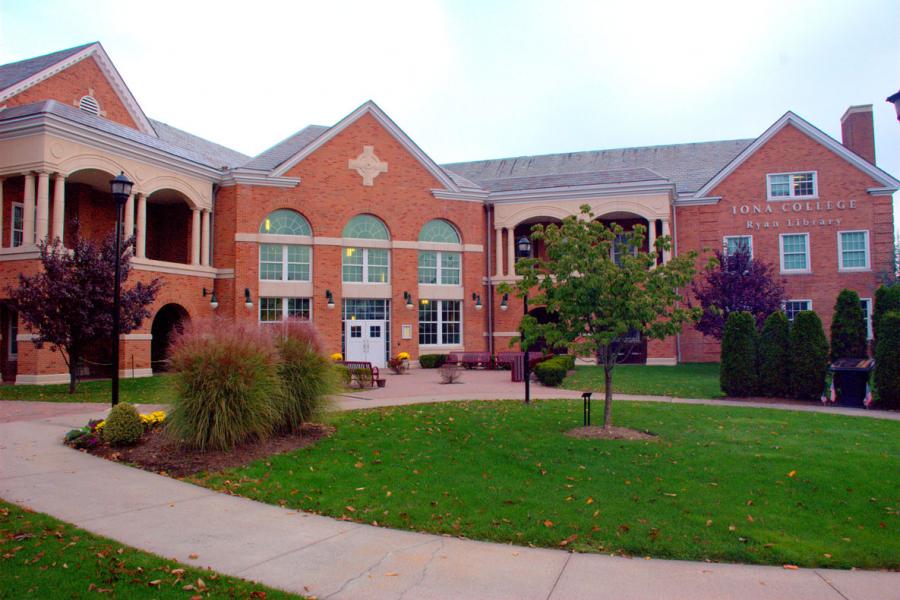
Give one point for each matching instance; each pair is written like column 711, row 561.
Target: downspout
column 490, row 286
column 675, row 253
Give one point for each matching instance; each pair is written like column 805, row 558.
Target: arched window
column 366, row 265
column 439, row 231
column 366, row 227
column 285, row 222
column 439, row 267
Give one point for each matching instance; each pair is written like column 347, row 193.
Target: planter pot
column 381, row 382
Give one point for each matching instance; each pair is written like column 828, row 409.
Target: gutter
column 489, row 296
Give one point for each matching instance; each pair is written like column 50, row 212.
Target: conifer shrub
column 227, row 384
column 887, row 299
column 848, row 328
column 123, row 426
column 307, row 376
column 774, row 357
column 809, row 356
column 738, row 371
column 552, row 371
column 887, row 361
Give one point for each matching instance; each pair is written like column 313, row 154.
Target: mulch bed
column 155, row 452
column 594, row 432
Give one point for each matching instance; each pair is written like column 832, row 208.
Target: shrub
column 432, row 361
column 739, row 339
column 227, row 380
column 397, row 365
column 887, row 299
column 343, row 374
column 887, row 361
column 848, row 327
column 307, row 376
column 809, row 356
column 552, row 371
column 123, row 426
column 450, row 373
column 774, row 357
column 569, row 360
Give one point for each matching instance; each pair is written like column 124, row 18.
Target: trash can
column 851, row 380
column 517, row 367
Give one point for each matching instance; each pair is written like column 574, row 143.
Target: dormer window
column 89, row 104
column 787, row 186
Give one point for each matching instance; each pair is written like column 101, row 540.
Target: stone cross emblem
column 368, row 165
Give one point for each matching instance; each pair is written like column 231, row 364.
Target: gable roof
column 538, row 182
column 283, row 150
column 19, row 76
column 789, row 118
column 367, row 108
column 688, row 166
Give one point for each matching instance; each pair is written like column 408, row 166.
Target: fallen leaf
column 390, row 574
column 708, row 521
column 155, row 582
column 792, row 473
column 548, row 523
column 569, row 540
column 193, row 556
column 350, row 508
column 791, row 567
column 589, row 500
column 359, row 465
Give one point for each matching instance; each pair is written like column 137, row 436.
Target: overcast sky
column 482, row 79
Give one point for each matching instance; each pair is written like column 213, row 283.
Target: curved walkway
column 328, row 558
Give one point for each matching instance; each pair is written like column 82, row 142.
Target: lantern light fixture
column 213, row 300
column 407, row 297
column 248, row 301
column 329, row 299
column 504, row 303
column 477, row 299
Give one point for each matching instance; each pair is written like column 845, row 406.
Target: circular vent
column 89, row 104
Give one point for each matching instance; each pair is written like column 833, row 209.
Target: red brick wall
column 70, row 85
column 838, row 181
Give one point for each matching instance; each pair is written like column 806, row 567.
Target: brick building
column 354, row 227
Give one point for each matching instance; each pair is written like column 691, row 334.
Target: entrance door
column 365, row 340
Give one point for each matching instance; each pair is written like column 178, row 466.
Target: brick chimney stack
column 858, row 131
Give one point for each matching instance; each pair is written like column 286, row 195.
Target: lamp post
column 523, row 250
column 120, row 186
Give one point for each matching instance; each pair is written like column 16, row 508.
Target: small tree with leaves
column 735, row 282
column 600, row 299
column 68, row 304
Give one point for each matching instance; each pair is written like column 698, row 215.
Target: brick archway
column 167, row 322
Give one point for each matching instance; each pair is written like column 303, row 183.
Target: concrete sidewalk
column 327, row 558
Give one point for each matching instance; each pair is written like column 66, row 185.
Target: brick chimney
column 858, row 131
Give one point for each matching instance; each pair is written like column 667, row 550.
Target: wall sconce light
column 409, row 300
column 504, row 303
column 477, row 299
column 248, row 301
column 213, row 301
column 329, row 297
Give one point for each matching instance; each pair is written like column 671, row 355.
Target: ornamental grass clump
column 227, row 382
column 307, row 376
column 123, row 426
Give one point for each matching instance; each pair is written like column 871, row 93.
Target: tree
column 887, row 298
column 598, row 299
column 848, row 327
column 739, row 341
column 809, row 356
column 69, row 303
column 887, row 361
column 774, row 357
column 736, row 282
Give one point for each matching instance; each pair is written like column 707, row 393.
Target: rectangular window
column 792, row 307
column 733, row 243
column 365, row 265
column 866, row 304
column 17, row 226
column 276, row 310
column 284, row 262
column 786, row 186
column 439, row 267
column 853, row 250
column 440, row 322
column 13, row 334
column 794, row 253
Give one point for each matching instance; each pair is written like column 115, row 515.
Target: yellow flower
column 403, row 356
column 100, row 425
column 337, row 356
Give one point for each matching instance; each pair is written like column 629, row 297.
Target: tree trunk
column 607, row 405
column 73, row 370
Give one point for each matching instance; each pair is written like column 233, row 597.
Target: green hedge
column 848, row 328
column 887, row 299
column 809, row 356
column 552, row 371
column 739, row 339
column 432, row 361
column 887, row 361
column 774, row 357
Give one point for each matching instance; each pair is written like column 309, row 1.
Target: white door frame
column 366, row 348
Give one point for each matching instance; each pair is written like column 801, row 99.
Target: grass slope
column 686, row 380
column 142, row 390
column 41, row 557
column 721, row 483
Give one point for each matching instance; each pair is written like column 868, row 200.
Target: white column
column 28, row 211
column 195, row 236
column 129, row 217
column 204, row 239
column 651, row 237
column 141, row 226
column 59, row 206
column 511, row 252
column 667, row 254
column 498, row 250
column 1, row 214
column 42, row 218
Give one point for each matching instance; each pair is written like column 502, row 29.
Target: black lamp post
column 120, row 186
column 523, row 250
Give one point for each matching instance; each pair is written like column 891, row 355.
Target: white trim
column 136, row 336
column 504, row 333
column 711, row 200
column 47, row 378
column 859, row 108
column 241, row 177
column 582, row 192
column 728, row 237
column 881, row 191
column 268, row 238
column 284, row 262
column 870, row 305
column 840, row 249
column 439, row 268
column 370, row 108
column 813, row 132
column 784, row 271
column 790, row 197
column 26, row 337
column 661, row 362
column 12, row 225
column 136, row 373
column 461, row 196
column 159, row 266
column 365, row 265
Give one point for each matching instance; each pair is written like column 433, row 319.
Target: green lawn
column 686, row 380
column 143, row 390
column 41, row 557
column 721, row 483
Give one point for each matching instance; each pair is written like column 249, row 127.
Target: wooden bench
column 365, row 373
column 505, row 359
column 471, row 360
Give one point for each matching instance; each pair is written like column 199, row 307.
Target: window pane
column 285, row 222
column 450, row 268
column 378, row 265
column 352, row 265
column 867, row 316
column 366, row 227
column 792, row 307
column 779, row 185
column 794, row 249
column 298, row 263
column 17, row 224
column 427, row 267
column 736, row 243
column 450, row 321
column 428, row 322
column 270, row 310
column 298, row 307
column 270, row 266
column 803, row 184
column 853, row 250
column 438, row 231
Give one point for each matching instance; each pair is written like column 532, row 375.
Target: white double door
column 365, row 341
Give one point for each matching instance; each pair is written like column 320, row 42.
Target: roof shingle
column 13, row 73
